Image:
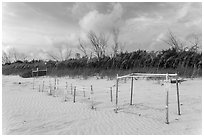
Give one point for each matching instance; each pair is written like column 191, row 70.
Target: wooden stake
column 71, row 89
column 167, row 107
column 84, row 92
column 50, row 91
column 37, row 72
column 92, row 101
column 39, row 88
column 178, row 100
column 131, row 91
column 116, row 101
column 66, row 86
column 33, row 79
column 167, row 100
column 50, row 87
column 74, row 93
column 55, row 85
column 43, row 86
column 111, row 94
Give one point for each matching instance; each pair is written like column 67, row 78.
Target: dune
column 32, row 112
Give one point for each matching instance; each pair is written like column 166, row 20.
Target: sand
column 27, row 111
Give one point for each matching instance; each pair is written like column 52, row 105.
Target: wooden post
column 84, row 92
column 39, row 88
column 49, row 86
column 37, row 72
column 178, row 100
column 43, row 86
column 92, row 101
column 33, row 79
column 116, row 101
column 50, row 91
column 167, row 107
column 66, row 86
column 65, row 93
column 167, row 100
column 131, row 91
column 71, row 89
column 55, row 84
column 74, row 93
column 111, row 94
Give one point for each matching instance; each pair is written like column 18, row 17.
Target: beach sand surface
column 32, row 112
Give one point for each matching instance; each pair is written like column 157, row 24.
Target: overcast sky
column 37, row 28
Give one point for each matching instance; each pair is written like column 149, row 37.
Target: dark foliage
column 186, row 63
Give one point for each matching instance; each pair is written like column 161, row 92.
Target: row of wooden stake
column 73, row 90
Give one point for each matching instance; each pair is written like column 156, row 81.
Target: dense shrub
column 170, row 60
column 26, row 74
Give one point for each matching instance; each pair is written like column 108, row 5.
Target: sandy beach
column 27, row 111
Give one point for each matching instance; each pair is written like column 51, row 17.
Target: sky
column 37, row 28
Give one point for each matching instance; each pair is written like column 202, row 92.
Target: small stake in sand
column 178, row 101
column 92, row 101
column 116, row 101
column 55, row 84
column 50, row 91
column 111, row 94
column 74, row 94
column 50, row 86
column 39, row 88
column 43, row 86
column 167, row 107
column 65, row 93
column 71, row 89
column 131, row 92
column 66, row 86
column 167, row 99
column 55, row 88
column 84, row 92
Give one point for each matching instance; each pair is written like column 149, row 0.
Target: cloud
column 39, row 27
column 80, row 9
column 102, row 22
column 183, row 11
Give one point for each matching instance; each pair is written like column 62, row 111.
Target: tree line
column 178, row 57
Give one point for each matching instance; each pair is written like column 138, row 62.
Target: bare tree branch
column 99, row 43
column 81, row 47
column 68, row 54
column 5, row 58
column 173, row 41
column 62, row 52
column 52, row 56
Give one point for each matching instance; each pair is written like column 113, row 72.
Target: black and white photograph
column 101, row 68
